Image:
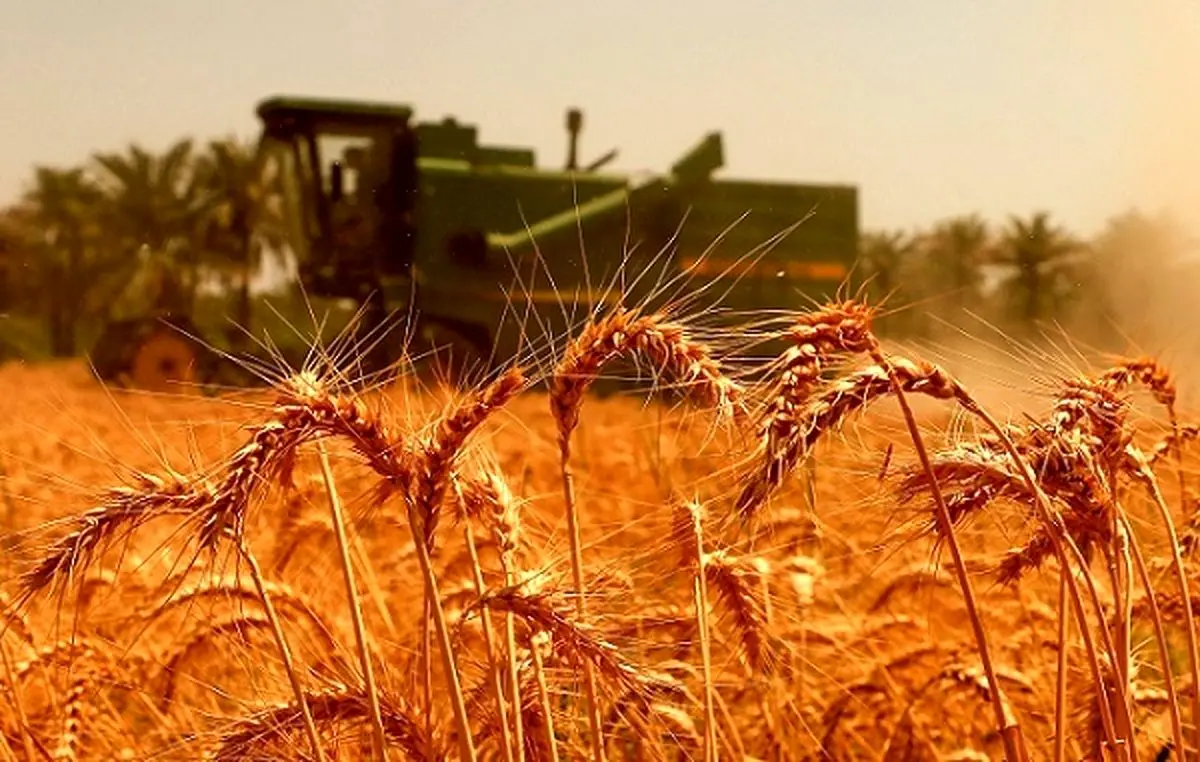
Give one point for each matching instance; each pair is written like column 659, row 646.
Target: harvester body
column 477, row 247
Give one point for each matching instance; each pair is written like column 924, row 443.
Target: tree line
column 126, row 232
column 1030, row 277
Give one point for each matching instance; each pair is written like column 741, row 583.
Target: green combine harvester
column 464, row 242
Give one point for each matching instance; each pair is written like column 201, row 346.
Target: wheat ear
column 814, row 338
column 73, row 708
column 1063, row 546
column 1151, row 374
column 123, row 507
column 437, row 453
column 838, row 401
column 578, row 641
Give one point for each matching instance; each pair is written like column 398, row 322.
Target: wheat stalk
column 674, row 355
column 1141, row 471
column 1164, row 653
column 689, row 533
column 494, row 673
column 360, row 630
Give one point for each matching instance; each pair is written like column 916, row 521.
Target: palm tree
column 1042, row 258
column 243, row 223
column 885, row 258
column 882, row 256
column 955, row 251
column 67, row 255
column 13, row 236
column 155, row 208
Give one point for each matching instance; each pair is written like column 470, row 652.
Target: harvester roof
column 285, row 108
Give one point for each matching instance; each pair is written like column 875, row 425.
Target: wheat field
column 845, row 554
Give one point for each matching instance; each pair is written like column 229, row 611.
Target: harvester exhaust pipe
column 574, row 127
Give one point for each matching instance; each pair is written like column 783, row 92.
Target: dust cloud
column 1160, row 306
column 1144, row 292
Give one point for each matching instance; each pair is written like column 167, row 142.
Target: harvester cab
column 348, row 175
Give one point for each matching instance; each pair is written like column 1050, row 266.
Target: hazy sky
column 930, row 107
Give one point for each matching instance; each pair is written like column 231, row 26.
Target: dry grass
column 509, row 573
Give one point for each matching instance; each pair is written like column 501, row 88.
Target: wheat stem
column 18, row 705
column 1164, row 652
column 285, row 652
column 576, row 547
column 1063, row 544
column 360, row 631
column 485, row 617
column 466, row 744
column 700, row 595
column 514, row 672
column 426, row 648
column 539, row 675
column 1151, row 483
column 1124, row 601
column 1007, row 725
column 1060, row 683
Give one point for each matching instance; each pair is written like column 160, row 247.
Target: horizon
column 930, row 111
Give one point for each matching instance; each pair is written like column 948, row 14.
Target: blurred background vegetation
column 193, row 228
column 199, row 226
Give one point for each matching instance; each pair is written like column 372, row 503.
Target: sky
column 930, row 107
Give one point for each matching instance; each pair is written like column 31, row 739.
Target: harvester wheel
column 164, row 361
column 153, row 355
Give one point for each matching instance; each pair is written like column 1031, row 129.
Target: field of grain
column 788, row 568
